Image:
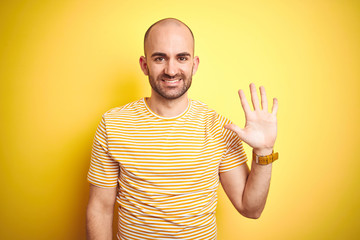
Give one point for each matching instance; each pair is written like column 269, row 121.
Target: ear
column 195, row 64
column 143, row 65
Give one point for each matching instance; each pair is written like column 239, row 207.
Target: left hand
column 260, row 129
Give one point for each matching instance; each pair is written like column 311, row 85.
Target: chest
column 166, row 148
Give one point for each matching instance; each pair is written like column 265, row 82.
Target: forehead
column 170, row 38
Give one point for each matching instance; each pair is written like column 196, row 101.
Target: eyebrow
column 158, row 54
column 183, row 54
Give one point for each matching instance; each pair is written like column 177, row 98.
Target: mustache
column 176, row 76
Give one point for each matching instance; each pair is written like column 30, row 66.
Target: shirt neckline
column 167, row 118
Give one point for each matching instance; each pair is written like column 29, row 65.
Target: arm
column 99, row 214
column 248, row 190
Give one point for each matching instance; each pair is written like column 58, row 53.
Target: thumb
column 235, row 128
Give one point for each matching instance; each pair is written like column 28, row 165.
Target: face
column 169, row 61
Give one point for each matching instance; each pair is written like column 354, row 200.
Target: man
column 162, row 157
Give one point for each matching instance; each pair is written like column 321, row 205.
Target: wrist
column 263, row 151
column 265, row 158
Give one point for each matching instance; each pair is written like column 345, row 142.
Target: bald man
column 162, row 157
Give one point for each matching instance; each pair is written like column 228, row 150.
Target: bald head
column 169, row 59
column 167, row 24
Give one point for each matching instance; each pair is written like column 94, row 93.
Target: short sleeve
column 103, row 171
column 234, row 154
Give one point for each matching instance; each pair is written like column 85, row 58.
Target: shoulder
column 128, row 109
column 214, row 123
column 129, row 113
column 201, row 109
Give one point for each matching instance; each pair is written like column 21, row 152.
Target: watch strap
column 264, row 160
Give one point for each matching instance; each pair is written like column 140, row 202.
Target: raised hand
column 261, row 125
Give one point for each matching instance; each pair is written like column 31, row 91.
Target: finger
column 244, row 102
column 254, row 97
column 275, row 106
column 236, row 129
column 264, row 103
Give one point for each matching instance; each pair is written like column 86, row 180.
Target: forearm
column 99, row 223
column 248, row 191
column 257, row 187
column 99, row 214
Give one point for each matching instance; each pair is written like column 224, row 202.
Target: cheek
column 188, row 69
column 155, row 69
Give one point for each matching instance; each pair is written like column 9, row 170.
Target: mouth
column 172, row 80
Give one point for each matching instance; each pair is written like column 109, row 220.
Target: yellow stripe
column 167, row 168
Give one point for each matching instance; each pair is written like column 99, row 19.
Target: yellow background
column 64, row 63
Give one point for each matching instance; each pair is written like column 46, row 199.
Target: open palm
column 260, row 129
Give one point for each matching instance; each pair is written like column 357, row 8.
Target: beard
column 170, row 92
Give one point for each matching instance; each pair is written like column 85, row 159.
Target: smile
column 171, row 81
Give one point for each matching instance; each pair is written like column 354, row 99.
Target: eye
column 182, row 59
column 159, row 59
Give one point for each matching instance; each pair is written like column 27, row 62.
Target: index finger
column 244, row 102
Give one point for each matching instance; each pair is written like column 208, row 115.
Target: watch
column 264, row 160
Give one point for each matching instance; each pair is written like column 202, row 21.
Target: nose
column 170, row 68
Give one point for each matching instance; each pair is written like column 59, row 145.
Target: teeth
column 172, row 81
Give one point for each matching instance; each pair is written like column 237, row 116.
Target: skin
column 169, row 63
column 99, row 214
column 248, row 190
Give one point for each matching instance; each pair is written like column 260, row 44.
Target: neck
column 168, row 107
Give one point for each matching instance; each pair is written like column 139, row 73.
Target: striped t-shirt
column 166, row 169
